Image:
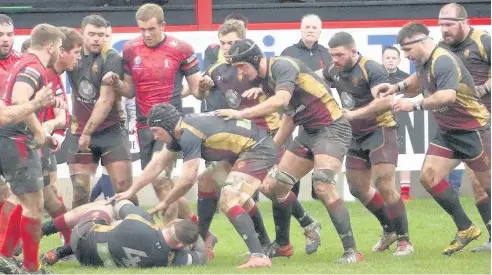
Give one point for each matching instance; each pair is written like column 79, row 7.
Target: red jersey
column 158, row 72
column 29, row 70
column 3, row 80
column 49, row 112
column 8, row 62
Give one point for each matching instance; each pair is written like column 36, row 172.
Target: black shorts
column 20, row 165
column 87, row 242
column 48, row 163
column 332, row 140
column 258, row 160
column 377, row 146
column 470, row 146
column 109, row 145
column 148, row 146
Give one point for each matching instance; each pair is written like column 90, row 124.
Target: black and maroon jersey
column 158, row 72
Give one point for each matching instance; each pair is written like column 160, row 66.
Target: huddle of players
column 249, row 155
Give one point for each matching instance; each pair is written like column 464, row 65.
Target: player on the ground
column 373, row 153
column 154, row 66
column 97, row 126
column 125, row 236
column 245, row 153
column 472, row 46
column 234, row 90
column 323, row 144
column 463, row 122
column 21, row 165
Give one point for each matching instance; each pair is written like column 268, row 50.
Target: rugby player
column 21, row 165
column 463, row 122
column 154, row 66
column 373, row 153
column 234, row 91
column 322, row 145
column 124, row 236
column 472, row 46
column 97, row 128
column 245, row 153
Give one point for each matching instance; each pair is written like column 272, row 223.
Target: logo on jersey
column 86, row 90
column 355, row 81
column 58, row 92
column 348, row 101
column 94, row 68
column 233, row 98
column 174, row 43
column 467, row 53
column 137, row 61
column 166, row 63
column 191, row 58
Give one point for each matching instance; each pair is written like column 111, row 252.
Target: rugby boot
column 312, row 234
column 403, row 248
column 462, row 239
column 9, row 265
column 482, row 248
column 275, row 250
column 49, row 258
column 387, row 239
column 256, row 260
column 350, row 256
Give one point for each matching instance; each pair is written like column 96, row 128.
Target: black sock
column 295, row 188
column 255, row 215
column 206, row 206
column 300, row 214
column 244, row 226
column 63, row 251
column 398, row 215
column 48, row 228
column 340, row 218
column 282, row 211
column 377, row 208
column 256, row 196
column 448, row 199
column 483, row 207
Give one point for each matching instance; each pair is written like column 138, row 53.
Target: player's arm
column 125, row 87
column 196, row 256
column 446, row 76
column 58, row 122
column 409, row 87
column 17, row 113
column 186, row 181
column 485, row 88
column 190, row 67
column 285, row 75
column 287, row 126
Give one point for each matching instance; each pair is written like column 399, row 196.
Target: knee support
column 321, row 176
column 282, row 176
column 219, row 173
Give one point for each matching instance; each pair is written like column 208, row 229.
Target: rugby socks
column 55, row 225
column 30, row 231
column 104, row 186
column 12, row 234
column 448, row 199
column 300, row 214
column 96, row 191
column 244, row 226
column 398, row 215
column 67, row 233
column 483, row 207
column 255, row 215
column 340, row 218
column 206, row 206
column 377, row 208
column 5, row 213
column 282, row 211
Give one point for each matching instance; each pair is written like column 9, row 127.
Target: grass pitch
column 431, row 229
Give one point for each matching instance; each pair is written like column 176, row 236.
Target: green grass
column 430, row 230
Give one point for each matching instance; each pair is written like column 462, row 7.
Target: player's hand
column 132, row 127
column 162, row 206
column 48, row 126
column 84, row 141
column 45, row 96
column 403, row 105
column 126, row 195
column 229, row 114
column 112, row 79
column 57, row 141
column 252, row 93
column 39, row 139
column 386, row 89
column 205, row 84
column 59, row 103
column 349, row 115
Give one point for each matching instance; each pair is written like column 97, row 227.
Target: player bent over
column 125, row 236
column 245, row 152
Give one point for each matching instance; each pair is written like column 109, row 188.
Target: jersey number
column 133, row 256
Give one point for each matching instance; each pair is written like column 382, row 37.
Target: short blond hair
column 149, row 11
column 44, row 34
column 233, row 26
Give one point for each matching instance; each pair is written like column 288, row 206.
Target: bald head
column 453, row 11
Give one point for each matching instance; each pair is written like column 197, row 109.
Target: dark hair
column 6, row 20
column 25, row 45
column 72, row 39
column 387, row 48
column 186, row 231
column 239, row 17
column 411, row 29
column 94, row 19
column 164, row 115
column 341, row 39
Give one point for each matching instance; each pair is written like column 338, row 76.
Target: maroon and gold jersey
column 158, row 72
column 232, row 87
column 474, row 51
column 445, row 71
column 311, row 104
